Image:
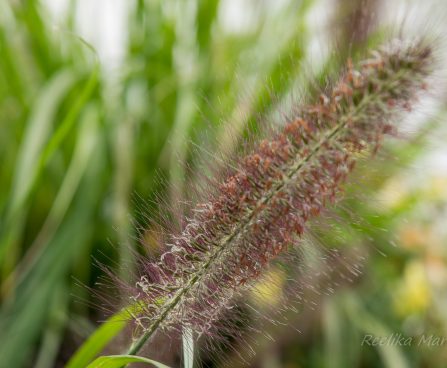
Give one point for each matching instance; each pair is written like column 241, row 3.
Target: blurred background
column 103, row 105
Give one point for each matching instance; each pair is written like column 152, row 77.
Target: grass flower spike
column 262, row 208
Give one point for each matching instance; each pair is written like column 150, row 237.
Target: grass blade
column 188, row 347
column 117, row 361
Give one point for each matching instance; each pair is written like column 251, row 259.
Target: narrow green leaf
column 71, row 117
column 54, row 331
column 392, row 355
column 117, row 361
column 37, row 131
column 86, row 142
column 23, row 317
column 99, row 339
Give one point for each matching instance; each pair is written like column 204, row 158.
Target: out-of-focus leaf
column 54, row 331
column 22, row 319
column 38, row 129
column 69, row 120
column 117, row 361
column 87, row 139
column 35, row 136
column 98, row 340
column 391, row 354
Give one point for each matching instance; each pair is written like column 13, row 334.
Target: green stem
column 137, row 345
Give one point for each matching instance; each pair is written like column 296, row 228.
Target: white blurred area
column 104, row 24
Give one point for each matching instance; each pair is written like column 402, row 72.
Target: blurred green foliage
column 78, row 140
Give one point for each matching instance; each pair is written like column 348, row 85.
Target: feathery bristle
column 262, row 208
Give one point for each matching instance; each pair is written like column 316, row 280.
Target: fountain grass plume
column 263, row 206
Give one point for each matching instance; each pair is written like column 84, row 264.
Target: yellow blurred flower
column 437, row 189
column 268, row 291
column 412, row 295
column 393, row 193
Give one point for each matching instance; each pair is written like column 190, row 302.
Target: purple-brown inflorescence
column 262, row 208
